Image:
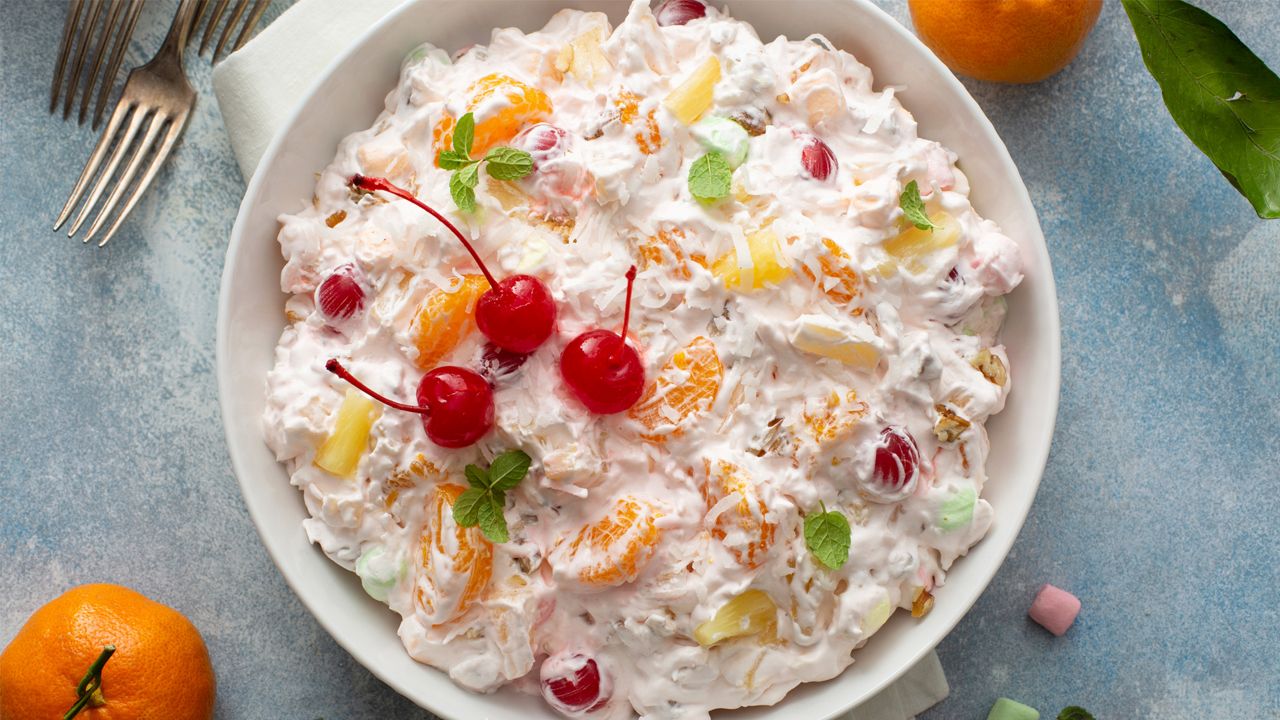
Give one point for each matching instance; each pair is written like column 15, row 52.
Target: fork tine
column 100, row 52
column 123, row 141
column 148, row 141
column 157, row 160
column 86, row 38
column 117, row 57
column 251, row 23
column 232, row 21
column 68, row 37
column 214, row 16
column 91, row 167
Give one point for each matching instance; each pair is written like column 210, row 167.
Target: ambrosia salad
column 698, row 504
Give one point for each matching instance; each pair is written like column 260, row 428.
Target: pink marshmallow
column 1055, row 609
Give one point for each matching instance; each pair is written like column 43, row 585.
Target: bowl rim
column 1039, row 451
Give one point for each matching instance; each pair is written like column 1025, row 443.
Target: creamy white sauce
column 578, row 223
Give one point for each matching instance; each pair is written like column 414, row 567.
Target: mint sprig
column 481, row 504
column 710, row 177
column 502, row 163
column 1074, row 713
column 828, row 536
column 913, row 207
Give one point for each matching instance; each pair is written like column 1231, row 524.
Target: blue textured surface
column 1159, row 507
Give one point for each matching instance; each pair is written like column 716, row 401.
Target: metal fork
column 218, row 7
column 156, row 95
column 78, row 35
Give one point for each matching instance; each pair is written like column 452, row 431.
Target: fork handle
column 176, row 41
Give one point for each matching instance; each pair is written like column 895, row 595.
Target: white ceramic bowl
column 349, row 96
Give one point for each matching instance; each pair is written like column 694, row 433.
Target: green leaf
column 828, row 536
column 464, row 134
column 1074, row 713
column 1223, row 96
column 476, row 477
column 913, row 207
column 508, row 163
column 492, row 523
column 508, row 469
column 469, row 175
column 466, row 509
column 464, row 195
column 454, row 160
column 710, row 177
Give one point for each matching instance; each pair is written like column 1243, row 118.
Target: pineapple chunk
column 693, row 97
column 750, row 613
column 826, row 336
column 340, row 453
column 768, row 264
column 911, row 248
column 583, row 58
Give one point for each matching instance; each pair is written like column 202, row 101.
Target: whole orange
column 160, row 670
column 1009, row 41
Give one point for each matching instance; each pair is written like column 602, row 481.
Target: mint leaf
column 828, row 536
column 508, row 469
column 464, row 134
column 454, row 160
column 464, row 195
column 1218, row 91
column 476, row 477
column 491, row 520
column 508, row 163
column 466, row 509
column 1074, row 713
column 913, row 207
column 710, row 177
column 469, row 175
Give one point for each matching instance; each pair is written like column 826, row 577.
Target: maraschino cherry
column 341, row 295
column 456, row 404
column 602, row 369
column 574, row 684
column 516, row 314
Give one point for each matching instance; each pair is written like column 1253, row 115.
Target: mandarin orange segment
column 456, row 562
column 445, row 318
column 686, row 385
column 648, row 136
column 613, row 550
column 664, row 250
column 836, row 266
column 834, row 417
column 742, row 527
column 503, row 106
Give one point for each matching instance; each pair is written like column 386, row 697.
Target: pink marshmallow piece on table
column 1055, row 609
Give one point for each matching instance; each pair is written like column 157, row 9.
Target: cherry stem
column 626, row 314
column 370, row 184
column 90, row 684
column 336, row 368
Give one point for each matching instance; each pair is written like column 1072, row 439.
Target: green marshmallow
column 378, row 573
column 1006, row 709
column 423, row 51
column 956, row 511
column 724, row 136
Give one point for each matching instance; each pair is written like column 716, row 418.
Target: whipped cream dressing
column 815, row 365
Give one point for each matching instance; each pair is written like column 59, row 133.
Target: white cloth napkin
column 257, row 88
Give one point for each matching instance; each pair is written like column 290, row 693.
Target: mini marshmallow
column 1006, row 709
column 1055, row 609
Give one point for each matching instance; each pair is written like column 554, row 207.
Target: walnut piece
column 991, row 367
column 950, row 426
